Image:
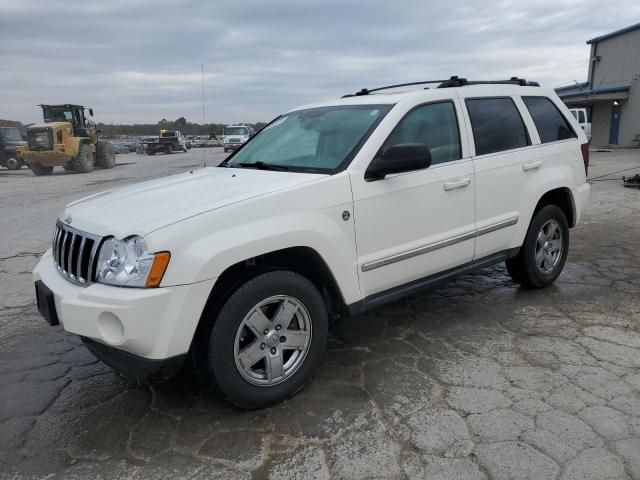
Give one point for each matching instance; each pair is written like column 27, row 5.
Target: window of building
column 551, row 124
column 497, row 125
column 435, row 125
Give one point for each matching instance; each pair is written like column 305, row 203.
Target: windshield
column 10, row 134
column 57, row 114
column 235, row 131
column 317, row 139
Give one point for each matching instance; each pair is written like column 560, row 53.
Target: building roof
column 596, row 91
column 572, row 86
column 630, row 28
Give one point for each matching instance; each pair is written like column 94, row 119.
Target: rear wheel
column 544, row 252
column 38, row 169
column 105, row 155
column 267, row 341
column 83, row 162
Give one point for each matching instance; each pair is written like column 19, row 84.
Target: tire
column 105, row 155
column 541, row 260
column 14, row 163
column 231, row 337
column 83, row 162
column 39, row 170
column 226, row 150
column 68, row 167
column 151, row 152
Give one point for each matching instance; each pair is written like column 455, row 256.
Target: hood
column 142, row 208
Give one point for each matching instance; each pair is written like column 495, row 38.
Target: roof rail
column 367, row 91
column 461, row 82
column 454, row 81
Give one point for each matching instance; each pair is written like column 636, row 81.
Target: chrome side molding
column 398, row 257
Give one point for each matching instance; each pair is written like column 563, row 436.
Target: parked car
column 580, row 114
column 120, row 147
column 241, row 267
column 10, row 139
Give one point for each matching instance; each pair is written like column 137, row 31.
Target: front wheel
column 14, row 163
column 83, row 162
column 268, row 340
column 544, row 252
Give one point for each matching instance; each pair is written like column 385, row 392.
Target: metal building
column 612, row 92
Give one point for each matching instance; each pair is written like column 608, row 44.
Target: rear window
column 551, row 124
column 497, row 125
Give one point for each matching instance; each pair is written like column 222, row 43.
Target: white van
column 580, row 114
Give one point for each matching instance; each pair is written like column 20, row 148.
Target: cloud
column 140, row 61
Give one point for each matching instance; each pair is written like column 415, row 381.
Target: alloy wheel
column 273, row 340
column 549, row 246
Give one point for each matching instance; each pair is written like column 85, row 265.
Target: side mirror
column 91, row 112
column 404, row 157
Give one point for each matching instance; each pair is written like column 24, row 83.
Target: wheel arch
column 303, row 260
column 561, row 197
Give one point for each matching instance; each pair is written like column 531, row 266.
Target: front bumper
column 232, row 146
column 153, row 323
column 133, row 365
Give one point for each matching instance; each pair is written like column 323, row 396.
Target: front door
column 615, row 124
column 414, row 224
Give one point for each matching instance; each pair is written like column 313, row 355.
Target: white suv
column 332, row 209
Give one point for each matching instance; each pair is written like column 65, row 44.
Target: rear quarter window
column 550, row 123
column 496, row 124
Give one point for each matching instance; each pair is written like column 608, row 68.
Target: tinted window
column 551, row 125
column 496, row 124
column 435, row 125
column 581, row 118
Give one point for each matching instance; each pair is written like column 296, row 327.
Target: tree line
column 181, row 124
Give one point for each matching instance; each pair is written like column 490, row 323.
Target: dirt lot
column 477, row 379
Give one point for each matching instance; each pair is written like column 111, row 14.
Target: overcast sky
column 137, row 61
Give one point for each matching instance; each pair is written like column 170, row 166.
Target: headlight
column 128, row 263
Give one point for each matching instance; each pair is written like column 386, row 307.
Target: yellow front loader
column 67, row 139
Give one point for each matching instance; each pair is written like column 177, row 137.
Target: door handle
column 531, row 165
column 463, row 182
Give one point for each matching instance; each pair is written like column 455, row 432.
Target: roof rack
column 454, row 81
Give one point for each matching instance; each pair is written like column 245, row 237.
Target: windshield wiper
column 262, row 166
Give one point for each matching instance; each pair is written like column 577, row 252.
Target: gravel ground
column 477, row 379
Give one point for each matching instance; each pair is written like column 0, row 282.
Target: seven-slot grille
column 75, row 253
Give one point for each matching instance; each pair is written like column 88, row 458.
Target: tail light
column 585, row 157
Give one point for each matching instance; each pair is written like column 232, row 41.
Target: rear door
column 502, row 161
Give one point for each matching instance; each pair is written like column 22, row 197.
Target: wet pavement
column 477, row 379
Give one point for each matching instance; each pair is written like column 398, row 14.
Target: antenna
column 204, row 150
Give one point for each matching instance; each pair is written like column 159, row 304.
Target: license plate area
column 46, row 303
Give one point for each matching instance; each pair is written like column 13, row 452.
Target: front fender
column 204, row 246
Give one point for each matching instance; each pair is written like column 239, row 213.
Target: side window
column 496, row 124
column 435, row 125
column 581, row 118
column 551, row 124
